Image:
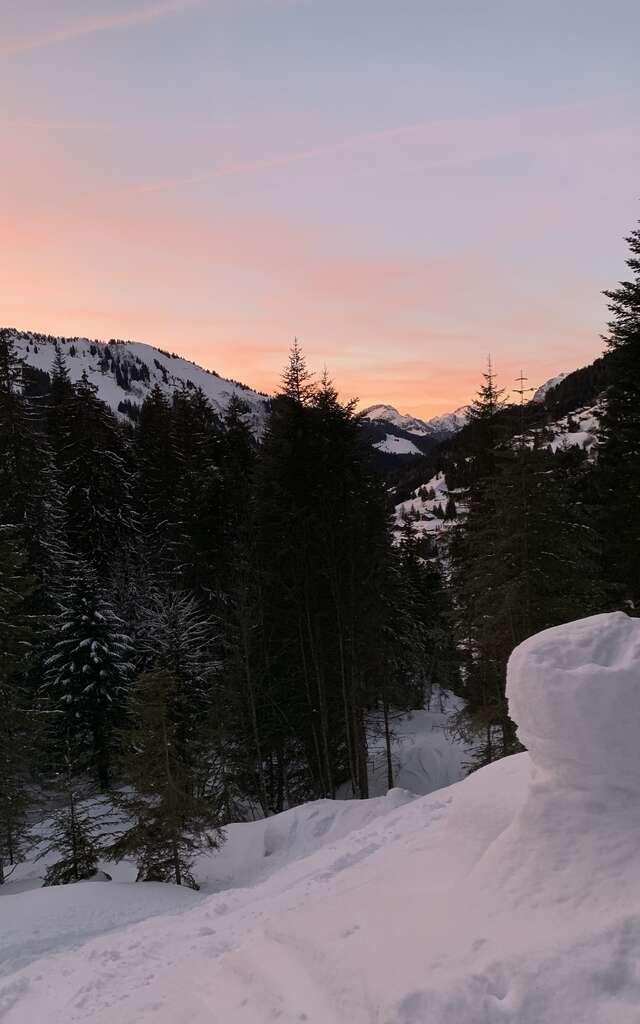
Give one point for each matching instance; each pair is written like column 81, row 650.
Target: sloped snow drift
column 513, row 896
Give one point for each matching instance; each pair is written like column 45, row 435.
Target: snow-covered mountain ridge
column 542, row 391
column 126, row 371
column 389, row 415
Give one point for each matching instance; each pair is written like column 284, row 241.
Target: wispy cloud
column 449, row 142
column 296, row 156
column 97, row 23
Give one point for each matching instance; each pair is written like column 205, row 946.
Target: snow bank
column 575, row 693
column 255, row 850
column 512, row 897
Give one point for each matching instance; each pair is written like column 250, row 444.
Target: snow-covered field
column 512, row 896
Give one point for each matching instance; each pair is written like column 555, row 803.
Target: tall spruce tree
column 93, row 460
column 78, row 822
column 297, row 380
column 172, row 820
column 87, row 670
column 197, row 442
column 617, row 476
column 171, row 763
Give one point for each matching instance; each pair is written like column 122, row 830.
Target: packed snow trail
column 513, row 896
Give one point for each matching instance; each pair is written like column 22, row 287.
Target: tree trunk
column 176, row 863
column 387, row 742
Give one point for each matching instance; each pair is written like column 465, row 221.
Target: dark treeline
column 545, row 536
column 548, row 536
column 527, row 556
column 199, row 624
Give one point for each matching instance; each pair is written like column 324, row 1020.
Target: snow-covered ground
column 426, row 755
column 512, row 896
column 425, row 752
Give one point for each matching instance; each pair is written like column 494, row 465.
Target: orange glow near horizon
column 151, row 192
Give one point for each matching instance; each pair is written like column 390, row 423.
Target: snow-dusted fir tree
column 93, row 460
column 77, row 823
column 88, row 669
column 171, row 765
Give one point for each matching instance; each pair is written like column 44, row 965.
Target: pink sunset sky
column 406, row 186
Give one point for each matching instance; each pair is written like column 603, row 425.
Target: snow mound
column 574, row 691
column 255, row 850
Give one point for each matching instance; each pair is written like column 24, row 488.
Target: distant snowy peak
column 448, row 423
column 389, row 414
column 541, row 393
column 125, row 372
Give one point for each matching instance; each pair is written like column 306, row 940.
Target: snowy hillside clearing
column 393, row 445
column 423, row 507
column 580, row 429
column 509, row 897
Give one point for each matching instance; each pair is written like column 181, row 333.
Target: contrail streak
column 296, row 156
column 90, row 25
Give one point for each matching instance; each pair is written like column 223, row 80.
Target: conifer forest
column 202, row 622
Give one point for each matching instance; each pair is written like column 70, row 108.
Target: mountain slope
column 553, row 382
column 126, row 371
